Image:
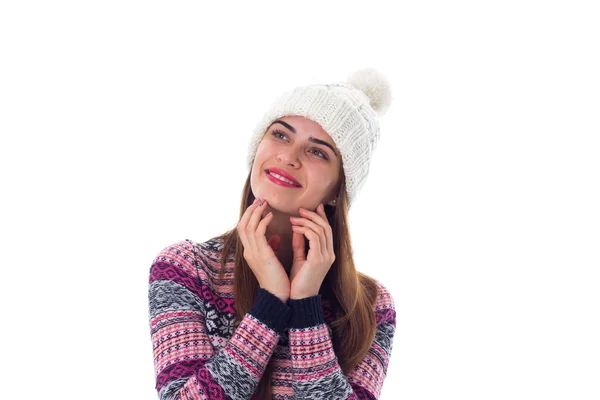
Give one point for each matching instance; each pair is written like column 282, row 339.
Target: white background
column 124, row 129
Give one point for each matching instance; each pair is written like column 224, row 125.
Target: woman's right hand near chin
column 259, row 255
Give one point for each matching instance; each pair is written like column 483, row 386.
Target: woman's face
column 315, row 166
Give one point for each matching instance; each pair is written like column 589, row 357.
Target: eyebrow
column 312, row 139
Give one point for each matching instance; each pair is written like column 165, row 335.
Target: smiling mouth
column 281, row 180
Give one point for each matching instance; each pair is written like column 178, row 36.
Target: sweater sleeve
column 186, row 365
column 316, row 372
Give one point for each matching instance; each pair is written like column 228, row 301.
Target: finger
column 246, row 217
column 253, row 236
column 328, row 230
column 313, row 239
column 247, row 235
column 298, row 247
column 320, row 218
column 243, row 223
column 315, row 228
column 256, row 215
column 262, row 225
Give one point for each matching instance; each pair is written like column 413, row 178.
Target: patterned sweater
column 199, row 355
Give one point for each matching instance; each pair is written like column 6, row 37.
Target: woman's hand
column 258, row 253
column 308, row 272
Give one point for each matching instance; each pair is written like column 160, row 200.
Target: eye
column 322, row 154
column 278, row 132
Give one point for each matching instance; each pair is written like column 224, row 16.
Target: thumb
column 298, row 247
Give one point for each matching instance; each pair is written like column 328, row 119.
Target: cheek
column 264, row 150
column 320, row 179
column 258, row 159
column 330, row 182
column 264, row 153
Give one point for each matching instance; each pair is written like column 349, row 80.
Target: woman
column 275, row 308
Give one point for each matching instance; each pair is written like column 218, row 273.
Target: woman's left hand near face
column 308, row 272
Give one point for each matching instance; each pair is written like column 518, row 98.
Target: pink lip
column 279, row 182
column 284, row 174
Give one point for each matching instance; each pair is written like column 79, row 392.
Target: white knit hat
column 347, row 111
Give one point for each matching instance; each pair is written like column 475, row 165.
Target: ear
column 332, row 202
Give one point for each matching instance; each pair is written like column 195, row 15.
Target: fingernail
column 255, row 200
column 262, row 202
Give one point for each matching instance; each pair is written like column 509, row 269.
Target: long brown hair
column 351, row 293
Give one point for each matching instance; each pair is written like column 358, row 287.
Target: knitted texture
column 199, row 354
column 347, row 111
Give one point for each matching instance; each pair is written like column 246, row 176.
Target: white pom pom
column 375, row 86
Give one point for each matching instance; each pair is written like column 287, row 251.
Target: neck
column 280, row 225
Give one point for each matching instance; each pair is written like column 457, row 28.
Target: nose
column 289, row 158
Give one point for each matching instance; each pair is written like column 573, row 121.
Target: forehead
column 304, row 125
